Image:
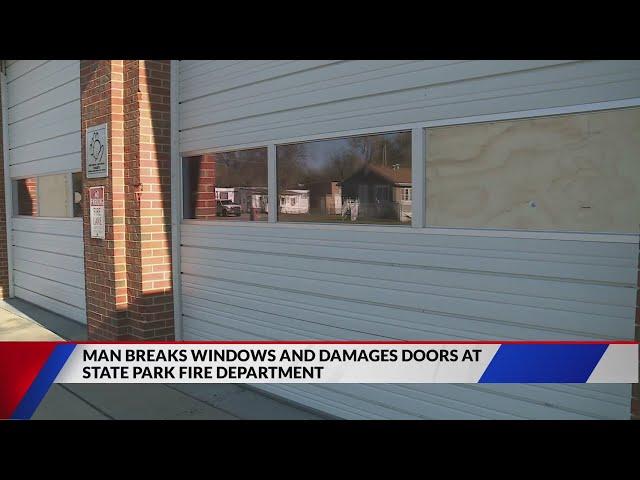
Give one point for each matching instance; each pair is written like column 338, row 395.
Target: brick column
column 128, row 275
column 102, row 92
column 635, row 389
column 148, row 161
column 205, row 195
column 4, row 259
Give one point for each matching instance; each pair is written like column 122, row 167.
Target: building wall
column 4, row 256
column 49, row 264
column 148, row 198
column 128, row 274
column 129, row 289
column 635, row 401
column 247, row 281
column 102, row 99
column 226, row 103
column 292, row 281
column 44, row 111
column 43, row 125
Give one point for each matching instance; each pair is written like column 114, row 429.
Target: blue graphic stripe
column 43, row 381
column 540, row 363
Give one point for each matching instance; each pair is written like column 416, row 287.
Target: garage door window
column 55, row 196
column 26, row 196
column 346, row 180
column 577, row 172
column 227, row 186
column 77, row 194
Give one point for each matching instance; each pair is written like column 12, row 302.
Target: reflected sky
column 319, row 152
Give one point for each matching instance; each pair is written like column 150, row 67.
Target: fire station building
column 333, row 200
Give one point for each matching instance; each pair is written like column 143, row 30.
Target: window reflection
column 56, row 196
column 364, row 179
column 77, row 194
column 26, row 192
column 226, row 186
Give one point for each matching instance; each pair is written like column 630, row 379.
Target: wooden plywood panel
column 53, row 193
column 578, row 172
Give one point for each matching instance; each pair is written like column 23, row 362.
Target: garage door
column 501, row 258
column 43, row 100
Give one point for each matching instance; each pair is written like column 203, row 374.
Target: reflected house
column 246, row 197
column 227, row 193
column 253, row 197
column 382, row 192
column 325, row 198
column 294, row 201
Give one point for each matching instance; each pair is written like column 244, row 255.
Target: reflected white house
column 381, row 191
column 255, row 198
column 294, row 201
column 227, row 193
column 291, row 201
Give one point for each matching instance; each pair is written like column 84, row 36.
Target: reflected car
column 225, row 208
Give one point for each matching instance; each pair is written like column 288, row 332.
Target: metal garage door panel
column 284, row 281
column 44, row 138
column 231, row 296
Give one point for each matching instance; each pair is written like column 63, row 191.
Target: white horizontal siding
column 43, row 117
column 381, row 401
column 288, row 281
column 246, row 282
column 48, row 264
column 225, row 104
column 44, row 138
column 18, row 68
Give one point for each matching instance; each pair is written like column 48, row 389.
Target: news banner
column 28, row 369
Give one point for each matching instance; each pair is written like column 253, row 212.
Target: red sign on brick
column 96, row 212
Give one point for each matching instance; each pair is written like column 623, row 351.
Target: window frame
column 69, row 188
column 178, row 188
column 389, row 189
column 418, row 166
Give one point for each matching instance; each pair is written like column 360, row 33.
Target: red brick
column 4, row 271
column 635, row 391
column 125, row 267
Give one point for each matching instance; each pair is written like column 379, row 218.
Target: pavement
column 22, row 321
column 18, row 327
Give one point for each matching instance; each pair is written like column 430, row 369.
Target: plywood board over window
column 53, row 192
column 578, row 172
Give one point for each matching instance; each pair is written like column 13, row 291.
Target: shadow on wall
column 27, row 193
column 129, row 276
column 149, row 266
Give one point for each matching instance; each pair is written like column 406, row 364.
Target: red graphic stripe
column 366, row 342
column 20, row 363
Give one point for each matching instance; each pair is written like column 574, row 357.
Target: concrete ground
column 22, row 321
column 16, row 326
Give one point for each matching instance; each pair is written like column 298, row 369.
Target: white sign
column 351, row 362
column 96, row 212
column 97, row 152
